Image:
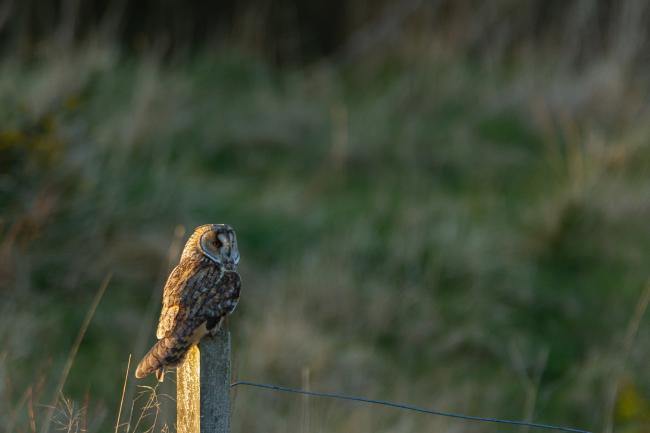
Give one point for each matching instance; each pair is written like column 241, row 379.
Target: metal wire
column 406, row 407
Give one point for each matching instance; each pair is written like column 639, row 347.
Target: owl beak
column 226, row 246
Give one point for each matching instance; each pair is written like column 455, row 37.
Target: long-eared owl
column 201, row 290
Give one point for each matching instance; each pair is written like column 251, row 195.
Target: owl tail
column 167, row 352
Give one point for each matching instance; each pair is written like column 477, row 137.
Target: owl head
column 217, row 242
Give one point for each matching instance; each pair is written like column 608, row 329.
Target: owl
column 198, row 295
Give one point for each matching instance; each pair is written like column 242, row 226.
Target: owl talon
column 215, row 330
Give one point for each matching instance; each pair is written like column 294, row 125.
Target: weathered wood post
column 203, row 387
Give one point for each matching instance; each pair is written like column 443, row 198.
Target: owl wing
column 177, row 284
column 223, row 298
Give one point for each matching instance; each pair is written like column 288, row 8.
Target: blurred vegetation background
column 444, row 203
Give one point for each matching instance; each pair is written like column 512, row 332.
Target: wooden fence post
column 203, row 387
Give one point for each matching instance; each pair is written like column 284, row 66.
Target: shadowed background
column 444, row 203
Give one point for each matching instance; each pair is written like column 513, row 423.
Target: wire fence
column 403, row 406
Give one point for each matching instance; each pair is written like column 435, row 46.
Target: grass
column 426, row 231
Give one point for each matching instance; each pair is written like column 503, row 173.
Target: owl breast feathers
column 200, row 292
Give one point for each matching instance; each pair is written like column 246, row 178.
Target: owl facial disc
column 220, row 245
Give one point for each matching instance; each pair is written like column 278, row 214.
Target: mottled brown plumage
column 198, row 295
